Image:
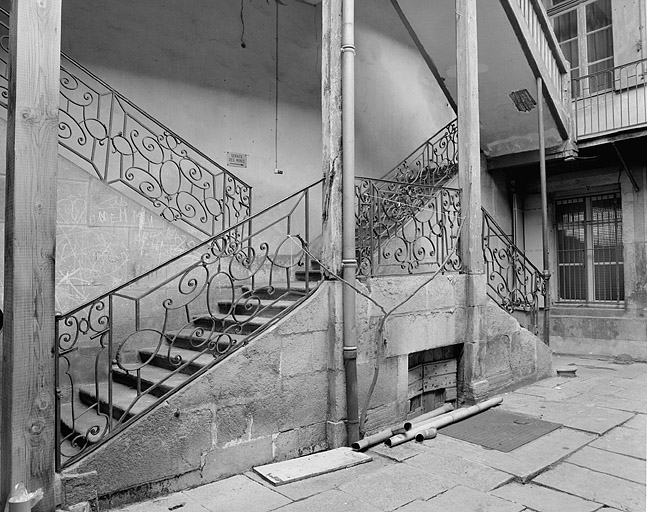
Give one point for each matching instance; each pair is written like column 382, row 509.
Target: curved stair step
column 154, row 379
column 184, row 340
column 265, row 308
column 125, row 403
column 193, row 360
column 277, row 293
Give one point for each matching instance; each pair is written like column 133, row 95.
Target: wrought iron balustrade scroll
column 113, row 139
column 210, row 299
column 433, row 162
column 399, row 221
column 514, row 283
column 405, row 226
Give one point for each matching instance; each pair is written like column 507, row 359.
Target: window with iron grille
column 589, row 249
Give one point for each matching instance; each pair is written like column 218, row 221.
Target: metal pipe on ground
column 369, row 441
column 408, row 425
column 443, row 421
column 430, row 433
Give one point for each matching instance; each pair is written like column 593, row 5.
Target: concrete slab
column 396, row 485
column 526, row 461
column 398, row 453
column 610, row 463
column 226, row 495
column 543, row 499
column 176, row 501
column 618, row 403
column 594, row 486
column 556, row 393
column 280, row 473
column 626, row 441
column 639, row 422
column 462, row 471
column 318, row 484
column 465, row 500
column 327, row 501
column 581, row 416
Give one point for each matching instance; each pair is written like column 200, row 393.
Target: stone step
column 192, row 359
column 240, row 324
column 88, row 427
column 313, row 275
column 161, row 380
column 186, row 339
column 125, row 403
column 266, row 308
column 277, row 293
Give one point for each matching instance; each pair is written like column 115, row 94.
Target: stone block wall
column 283, row 396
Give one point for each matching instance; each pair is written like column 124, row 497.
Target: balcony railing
column 514, row 283
column 610, row 100
column 405, row 227
column 113, row 139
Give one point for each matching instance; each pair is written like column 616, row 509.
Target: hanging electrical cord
column 276, row 92
column 242, row 21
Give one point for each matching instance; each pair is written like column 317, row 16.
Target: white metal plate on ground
column 294, row 470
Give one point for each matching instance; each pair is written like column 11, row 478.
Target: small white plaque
column 236, row 159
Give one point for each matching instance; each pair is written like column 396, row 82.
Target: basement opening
column 433, row 379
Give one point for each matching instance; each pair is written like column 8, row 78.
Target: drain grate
column 499, row 430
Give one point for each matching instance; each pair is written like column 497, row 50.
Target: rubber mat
column 500, row 430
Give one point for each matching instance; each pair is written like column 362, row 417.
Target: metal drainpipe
column 349, row 263
column 544, row 206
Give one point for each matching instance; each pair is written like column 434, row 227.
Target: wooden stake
column 28, row 396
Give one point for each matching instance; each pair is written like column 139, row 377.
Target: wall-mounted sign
column 236, row 159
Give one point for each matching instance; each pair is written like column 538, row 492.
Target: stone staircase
column 155, row 370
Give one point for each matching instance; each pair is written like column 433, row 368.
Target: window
column 589, row 249
column 585, row 34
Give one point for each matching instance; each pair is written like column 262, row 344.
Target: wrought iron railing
column 514, row 283
column 610, row 100
column 388, row 209
column 431, row 163
column 124, row 352
column 405, row 227
column 113, row 139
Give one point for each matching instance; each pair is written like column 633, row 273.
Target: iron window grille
column 589, row 249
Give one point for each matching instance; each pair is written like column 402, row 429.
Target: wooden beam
column 423, row 52
column 28, row 395
column 331, row 128
column 469, row 139
column 536, row 63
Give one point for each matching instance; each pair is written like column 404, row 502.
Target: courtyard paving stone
column 332, row 500
column 465, row 499
column 394, row 486
column 594, row 486
column 225, row 495
column 626, row 441
column 610, row 463
column 461, row 471
column 543, row 499
column 574, row 414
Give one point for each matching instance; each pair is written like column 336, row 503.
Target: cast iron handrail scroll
column 405, row 226
column 209, row 301
column 116, row 141
column 514, row 283
column 407, row 220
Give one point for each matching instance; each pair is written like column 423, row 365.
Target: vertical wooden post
column 469, row 140
column 28, row 396
column 332, row 137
